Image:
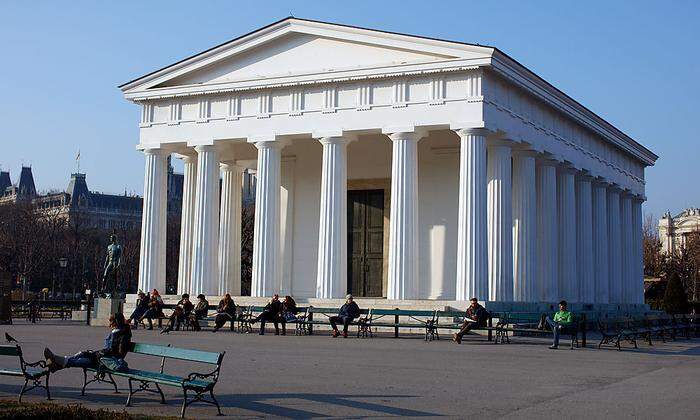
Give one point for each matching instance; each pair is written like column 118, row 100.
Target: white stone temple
column 394, row 167
column 674, row 230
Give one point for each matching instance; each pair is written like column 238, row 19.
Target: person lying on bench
column 182, row 311
column 476, row 317
column 226, row 311
column 141, row 307
column 116, row 347
column 271, row 312
column 201, row 310
column 562, row 319
column 347, row 313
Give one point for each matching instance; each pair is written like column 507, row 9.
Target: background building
column 674, row 230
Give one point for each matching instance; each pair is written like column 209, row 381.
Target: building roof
column 5, row 182
column 26, row 182
column 499, row 61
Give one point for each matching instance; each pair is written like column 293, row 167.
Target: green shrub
column 48, row 411
column 675, row 298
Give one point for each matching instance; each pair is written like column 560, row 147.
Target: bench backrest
column 177, row 353
column 10, row 350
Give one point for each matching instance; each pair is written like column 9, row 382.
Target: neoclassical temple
column 388, row 166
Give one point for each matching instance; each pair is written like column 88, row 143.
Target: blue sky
column 634, row 63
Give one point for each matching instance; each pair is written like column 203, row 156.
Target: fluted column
column 472, row 252
column 524, row 227
column 627, row 248
column 266, row 238
column 584, row 240
column 600, row 243
column 187, row 223
column 638, row 260
column 153, row 222
column 500, row 223
column 614, row 243
column 332, row 270
column 230, row 229
column 566, row 225
column 547, row 232
column 205, row 268
column 403, row 222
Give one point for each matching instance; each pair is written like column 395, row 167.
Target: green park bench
column 526, row 323
column 33, row 372
column 453, row 320
column 614, row 331
column 198, row 383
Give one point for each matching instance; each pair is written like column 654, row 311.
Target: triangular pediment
column 297, row 54
column 296, row 47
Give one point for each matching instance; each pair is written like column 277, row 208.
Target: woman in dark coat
column 142, row 304
column 225, row 312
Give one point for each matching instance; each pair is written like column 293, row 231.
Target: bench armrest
column 196, row 375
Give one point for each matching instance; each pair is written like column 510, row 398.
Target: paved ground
column 384, row 377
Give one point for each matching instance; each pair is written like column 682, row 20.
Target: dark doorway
column 365, row 242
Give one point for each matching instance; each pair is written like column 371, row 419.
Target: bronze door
column 365, row 242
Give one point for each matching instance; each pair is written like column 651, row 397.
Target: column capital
column 334, row 140
column 614, row 188
column 230, row 166
column 405, row 135
column 155, row 151
column 584, row 176
column 269, row 144
column 525, row 153
column 205, row 148
column 600, row 182
column 567, row 168
column 187, row 158
column 473, row 131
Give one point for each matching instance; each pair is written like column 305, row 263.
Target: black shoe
column 553, row 347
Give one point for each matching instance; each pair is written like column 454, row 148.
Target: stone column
column 500, row 223
column 547, row 235
column 614, row 243
column 205, row 268
column 600, row 243
column 566, row 243
column 584, row 240
column 332, row 270
column 524, row 228
column 230, row 229
column 627, row 248
column 638, row 260
column 153, row 222
column 266, row 238
column 472, row 252
column 403, row 222
column 187, row 224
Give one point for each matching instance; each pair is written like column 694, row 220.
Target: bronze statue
column 112, row 262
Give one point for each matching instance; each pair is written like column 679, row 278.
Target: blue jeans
column 556, row 328
column 81, row 360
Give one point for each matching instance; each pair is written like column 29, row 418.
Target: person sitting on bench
column 155, row 309
column 289, row 312
column 347, row 313
column 476, row 317
column 182, row 311
column 271, row 312
column 226, row 311
column 116, row 346
column 201, row 310
column 141, row 307
column 562, row 319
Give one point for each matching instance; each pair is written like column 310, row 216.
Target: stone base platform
column 422, row 304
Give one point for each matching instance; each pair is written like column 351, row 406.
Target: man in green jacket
column 562, row 319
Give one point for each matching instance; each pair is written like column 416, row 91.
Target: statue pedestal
column 104, row 308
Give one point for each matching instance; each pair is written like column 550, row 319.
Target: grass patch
column 50, row 411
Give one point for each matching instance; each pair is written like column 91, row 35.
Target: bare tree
column 652, row 247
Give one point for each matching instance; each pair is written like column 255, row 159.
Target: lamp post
column 63, row 263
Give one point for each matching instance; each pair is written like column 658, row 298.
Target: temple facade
column 674, row 230
column 389, row 166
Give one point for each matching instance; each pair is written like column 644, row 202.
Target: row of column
column 529, row 228
column 210, row 230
